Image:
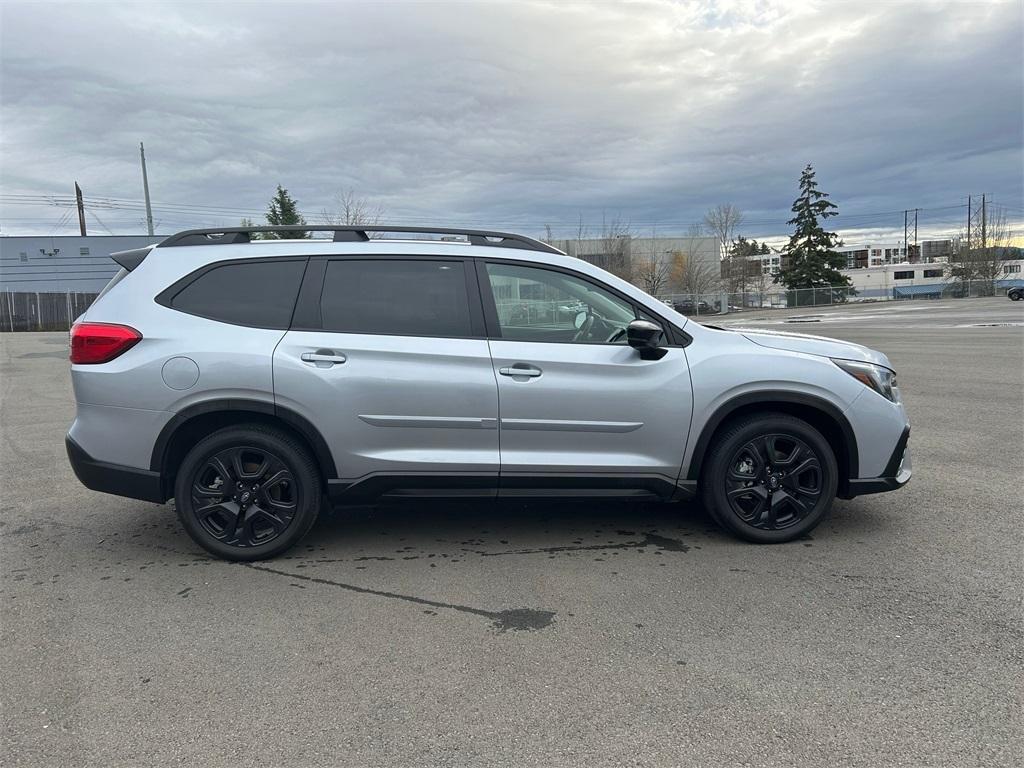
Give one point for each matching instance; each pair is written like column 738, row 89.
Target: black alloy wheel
column 769, row 478
column 244, row 496
column 248, row 492
column 773, row 482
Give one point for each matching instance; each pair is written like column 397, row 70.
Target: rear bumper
column 114, row 478
column 897, row 472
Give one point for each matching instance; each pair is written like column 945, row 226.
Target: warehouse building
column 63, row 264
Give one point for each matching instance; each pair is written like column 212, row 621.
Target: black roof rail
column 355, row 234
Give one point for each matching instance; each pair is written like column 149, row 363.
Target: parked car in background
column 256, row 381
column 1016, row 294
column 690, row 307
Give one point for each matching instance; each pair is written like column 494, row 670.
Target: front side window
column 414, row 297
column 543, row 305
column 254, row 293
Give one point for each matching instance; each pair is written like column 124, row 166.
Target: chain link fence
column 720, row 302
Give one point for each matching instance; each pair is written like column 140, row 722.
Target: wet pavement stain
column 649, row 540
column 515, row 619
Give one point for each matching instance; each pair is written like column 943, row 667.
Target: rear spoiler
column 131, row 259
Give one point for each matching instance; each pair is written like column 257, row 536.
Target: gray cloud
column 515, row 114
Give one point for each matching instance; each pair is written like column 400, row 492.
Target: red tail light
column 101, row 342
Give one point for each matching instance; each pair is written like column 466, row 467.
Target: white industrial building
column 62, row 264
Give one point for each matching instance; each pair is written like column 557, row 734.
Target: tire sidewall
column 294, row 458
column 714, row 480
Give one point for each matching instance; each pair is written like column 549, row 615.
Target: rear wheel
column 248, row 492
column 770, row 478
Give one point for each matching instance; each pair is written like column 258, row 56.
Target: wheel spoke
column 793, row 457
column 208, row 492
column 219, row 518
column 238, row 457
column 222, row 469
column 782, row 498
column 254, row 527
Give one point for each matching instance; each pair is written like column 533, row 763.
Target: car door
column 580, row 411
column 387, row 356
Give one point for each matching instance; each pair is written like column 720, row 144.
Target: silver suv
column 255, row 381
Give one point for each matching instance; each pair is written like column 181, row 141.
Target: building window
column 906, row 275
column 876, row 252
column 1011, row 268
column 83, row 251
column 933, row 273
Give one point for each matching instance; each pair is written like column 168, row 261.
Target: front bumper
column 114, row 478
column 897, row 472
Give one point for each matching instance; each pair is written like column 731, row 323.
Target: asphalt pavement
column 549, row 634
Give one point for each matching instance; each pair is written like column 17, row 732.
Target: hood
column 815, row 345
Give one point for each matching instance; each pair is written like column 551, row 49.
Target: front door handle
column 323, row 358
column 520, row 369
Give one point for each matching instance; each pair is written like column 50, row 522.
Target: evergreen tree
column 810, row 258
column 283, row 212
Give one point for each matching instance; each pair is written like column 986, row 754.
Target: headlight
column 879, row 378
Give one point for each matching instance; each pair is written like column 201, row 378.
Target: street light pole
column 145, row 190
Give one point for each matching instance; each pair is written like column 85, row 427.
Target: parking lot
column 537, row 633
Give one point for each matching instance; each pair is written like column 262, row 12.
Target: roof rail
column 355, row 234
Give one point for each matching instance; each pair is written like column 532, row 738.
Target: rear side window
column 396, row 297
column 254, row 293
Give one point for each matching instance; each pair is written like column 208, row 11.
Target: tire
column 1016, row 295
column 271, row 479
column 780, row 505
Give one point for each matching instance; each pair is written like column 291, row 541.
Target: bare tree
column 616, row 247
column 690, row 273
column 352, row 210
column 722, row 221
column 981, row 260
column 652, row 270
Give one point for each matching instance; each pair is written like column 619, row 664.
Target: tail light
column 101, row 342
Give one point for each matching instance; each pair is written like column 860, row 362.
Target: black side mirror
column 644, row 336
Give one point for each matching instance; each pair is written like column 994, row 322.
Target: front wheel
column 1016, row 296
column 770, row 478
column 248, row 492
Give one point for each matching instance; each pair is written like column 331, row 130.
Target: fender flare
column 298, row 423
column 768, row 398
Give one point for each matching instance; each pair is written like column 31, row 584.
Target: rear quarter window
column 259, row 294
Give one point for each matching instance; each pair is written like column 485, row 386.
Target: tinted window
column 255, row 293
column 907, row 275
column 536, row 304
column 390, row 296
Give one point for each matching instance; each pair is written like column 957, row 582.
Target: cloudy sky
column 511, row 114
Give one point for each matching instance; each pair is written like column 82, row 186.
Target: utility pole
column 984, row 242
column 968, row 223
column 145, row 190
column 81, row 209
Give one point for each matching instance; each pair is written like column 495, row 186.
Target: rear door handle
column 323, row 358
column 520, row 369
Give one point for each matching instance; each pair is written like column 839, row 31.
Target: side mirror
column 644, row 336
